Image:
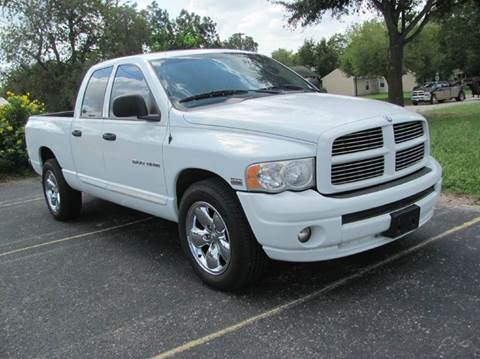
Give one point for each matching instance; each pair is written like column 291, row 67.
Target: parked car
column 248, row 157
column 435, row 92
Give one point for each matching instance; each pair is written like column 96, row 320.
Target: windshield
column 202, row 79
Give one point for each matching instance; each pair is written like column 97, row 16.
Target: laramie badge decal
column 145, row 163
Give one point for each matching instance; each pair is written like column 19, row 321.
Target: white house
column 338, row 82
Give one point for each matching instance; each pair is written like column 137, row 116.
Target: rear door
column 87, row 130
column 444, row 91
column 133, row 152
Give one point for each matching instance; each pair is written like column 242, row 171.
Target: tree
column 322, row 57
column 367, row 52
column 49, row 44
column 404, row 19
column 424, row 56
column 240, row 41
column 39, row 31
column 327, row 54
column 459, row 37
column 187, row 31
column 288, row 58
column 161, row 28
column 125, row 32
column 193, row 31
column 306, row 54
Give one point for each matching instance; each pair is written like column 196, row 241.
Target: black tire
column 433, row 100
column 461, row 96
column 415, row 103
column 247, row 259
column 70, row 204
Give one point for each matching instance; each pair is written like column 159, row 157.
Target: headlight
column 281, row 176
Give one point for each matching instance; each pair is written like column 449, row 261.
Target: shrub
column 13, row 117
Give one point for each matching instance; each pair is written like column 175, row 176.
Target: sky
column 264, row 21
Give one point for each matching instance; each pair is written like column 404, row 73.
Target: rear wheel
column 415, row 103
column 217, row 238
column 63, row 201
column 461, row 96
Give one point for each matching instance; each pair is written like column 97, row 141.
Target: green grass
column 384, row 97
column 455, row 136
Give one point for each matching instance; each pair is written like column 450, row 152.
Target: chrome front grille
column 374, row 155
column 409, row 156
column 358, row 170
column 407, row 131
column 358, row 141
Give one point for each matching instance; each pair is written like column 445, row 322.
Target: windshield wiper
column 212, row 94
column 287, row 88
column 225, row 93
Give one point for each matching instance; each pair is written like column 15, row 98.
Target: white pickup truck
column 248, row 157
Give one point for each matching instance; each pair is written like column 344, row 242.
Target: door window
column 92, row 105
column 129, row 80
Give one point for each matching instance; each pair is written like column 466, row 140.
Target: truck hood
column 425, row 88
column 302, row 116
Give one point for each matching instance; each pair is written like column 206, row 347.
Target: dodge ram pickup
column 251, row 160
column 435, row 92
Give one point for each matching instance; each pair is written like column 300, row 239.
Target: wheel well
column 46, row 154
column 190, row 176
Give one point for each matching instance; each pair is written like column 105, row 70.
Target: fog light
column 304, row 235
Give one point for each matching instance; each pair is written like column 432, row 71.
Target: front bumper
column 421, row 98
column 277, row 219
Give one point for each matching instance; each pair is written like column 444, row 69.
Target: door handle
column 77, row 133
column 109, row 136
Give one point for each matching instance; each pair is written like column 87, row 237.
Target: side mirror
column 133, row 106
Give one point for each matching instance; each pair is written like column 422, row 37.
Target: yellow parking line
column 203, row 340
column 75, row 237
column 10, row 204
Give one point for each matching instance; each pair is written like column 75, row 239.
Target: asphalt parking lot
column 114, row 283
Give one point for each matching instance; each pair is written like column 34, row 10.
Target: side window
column 92, row 105
column 129, row 80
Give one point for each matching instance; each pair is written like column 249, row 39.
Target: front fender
column 225, row 152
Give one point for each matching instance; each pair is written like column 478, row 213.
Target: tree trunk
column 395, row 72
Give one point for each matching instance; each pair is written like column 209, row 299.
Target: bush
column 13, row 117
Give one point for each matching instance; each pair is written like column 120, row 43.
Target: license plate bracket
column 403, row 221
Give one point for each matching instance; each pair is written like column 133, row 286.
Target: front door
column 133, row 152
column 87, row 130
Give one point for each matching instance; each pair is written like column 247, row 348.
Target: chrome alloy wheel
column 52, row 191
column 208, row 238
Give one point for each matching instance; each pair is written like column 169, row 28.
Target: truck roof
column 166, row 54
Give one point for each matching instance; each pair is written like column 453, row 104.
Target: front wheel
column 217, row 238
column 63, row 201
